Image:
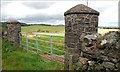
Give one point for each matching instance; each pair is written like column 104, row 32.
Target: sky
column 52, row 12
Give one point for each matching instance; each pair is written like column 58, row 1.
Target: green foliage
column 38, row 30
column 9, row 47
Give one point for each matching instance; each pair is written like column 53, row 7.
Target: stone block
column 71, row 45
column 108, row 65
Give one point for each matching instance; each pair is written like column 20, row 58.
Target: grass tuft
column 16, row 58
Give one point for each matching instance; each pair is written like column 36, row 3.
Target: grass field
column 44, row 45
column 16, row 58
column 48, row 29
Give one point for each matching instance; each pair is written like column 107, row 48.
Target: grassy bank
column 16, row 58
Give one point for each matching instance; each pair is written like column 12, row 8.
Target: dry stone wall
column 101, row 52
column 85, row 49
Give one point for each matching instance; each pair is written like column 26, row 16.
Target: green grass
column 58, row 39
column 46, row 44
column 48, row 29
column 16, row 58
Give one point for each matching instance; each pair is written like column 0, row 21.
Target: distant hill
column 39, row 24
column 3, row 24
column 44, row 25
column 108, row 27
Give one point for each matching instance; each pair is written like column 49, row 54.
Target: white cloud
column 110, row 14
column 16, row 10
column 38, row 5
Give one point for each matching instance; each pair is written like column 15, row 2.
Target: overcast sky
column 52, row 12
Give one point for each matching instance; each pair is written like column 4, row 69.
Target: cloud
column 28, row 14
column 109, row 24
column 38, row 5
column 101, row 5
column 42, row 18
column 16, row 10
column 4, row 3
column 108, row 12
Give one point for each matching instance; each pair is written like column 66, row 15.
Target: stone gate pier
column 13, row 32
column 85, row 49
column 79, row 21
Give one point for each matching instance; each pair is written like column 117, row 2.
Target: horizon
column 63, row 25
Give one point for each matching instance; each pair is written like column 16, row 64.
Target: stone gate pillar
column 13, row 32
column 79, row 21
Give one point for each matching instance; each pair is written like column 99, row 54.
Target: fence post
column 37, row 43
column 51, row 47
column 27, row 41
column 20, row 37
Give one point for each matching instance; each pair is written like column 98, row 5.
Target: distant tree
column 47, row 31
column 38, row 30
column 42, row 31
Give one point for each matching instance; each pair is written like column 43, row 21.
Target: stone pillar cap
column 81, row 9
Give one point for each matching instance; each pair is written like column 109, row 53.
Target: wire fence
column 48, row 46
